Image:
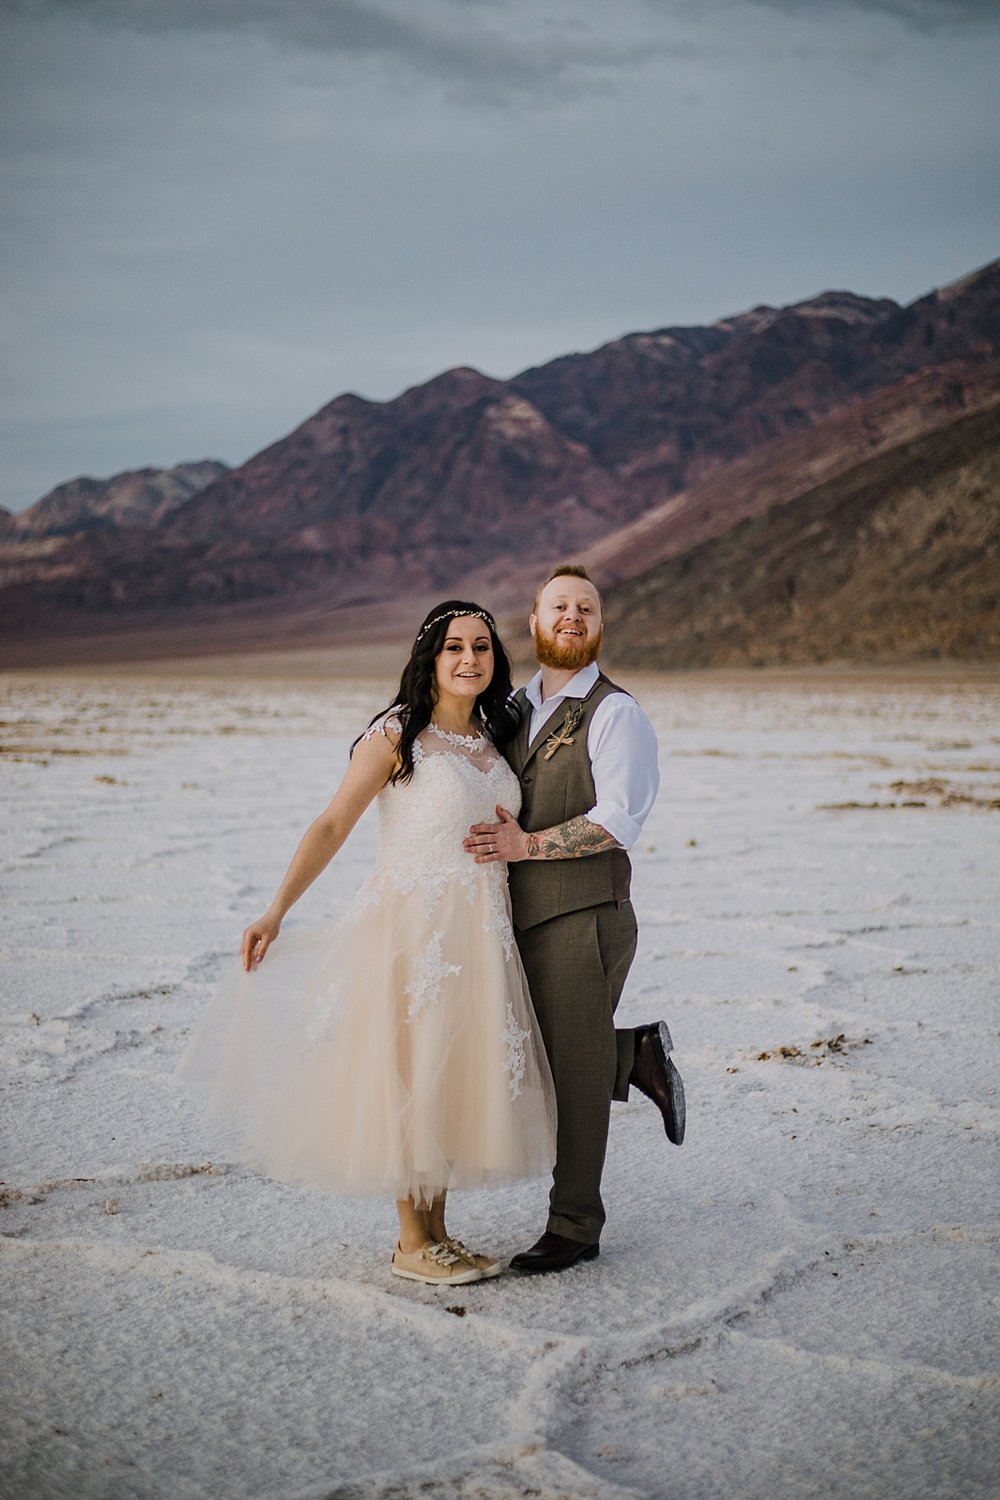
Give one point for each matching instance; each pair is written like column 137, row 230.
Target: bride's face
column 463, row 668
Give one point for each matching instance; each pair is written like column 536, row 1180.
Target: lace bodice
column 457, row 780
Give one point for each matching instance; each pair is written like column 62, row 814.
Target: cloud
column 919, row 15
column 486, row 50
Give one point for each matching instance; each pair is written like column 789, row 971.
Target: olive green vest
column 554, row 791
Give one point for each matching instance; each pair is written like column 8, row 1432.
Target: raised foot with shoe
column 653, row 1074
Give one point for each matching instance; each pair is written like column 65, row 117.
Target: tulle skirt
column 392, row 1053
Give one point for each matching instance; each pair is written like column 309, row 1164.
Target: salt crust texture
column 800, row 1302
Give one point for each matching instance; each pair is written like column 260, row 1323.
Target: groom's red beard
column 566, row 656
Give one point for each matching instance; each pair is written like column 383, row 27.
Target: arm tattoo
column 573, row 840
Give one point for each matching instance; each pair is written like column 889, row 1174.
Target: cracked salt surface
column 802, row 1301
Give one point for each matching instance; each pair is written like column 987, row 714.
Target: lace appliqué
column 430, row 972
column 513, row 1039
column 388, row 723
column 474, row 743
column 326, row 1013
column 497, row 913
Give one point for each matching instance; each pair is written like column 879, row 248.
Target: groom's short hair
column 565, row 570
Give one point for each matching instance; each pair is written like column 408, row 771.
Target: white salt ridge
column 797, row 1303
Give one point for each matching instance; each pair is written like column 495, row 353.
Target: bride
column 396, row 1051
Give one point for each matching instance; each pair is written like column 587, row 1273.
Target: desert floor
column 801, row 1301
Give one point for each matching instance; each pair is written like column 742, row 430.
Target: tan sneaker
column 437, row 1264
column 484, row 1264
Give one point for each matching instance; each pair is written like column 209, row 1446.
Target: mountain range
column 797, row 483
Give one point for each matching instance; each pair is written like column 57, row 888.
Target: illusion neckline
column 472, row 742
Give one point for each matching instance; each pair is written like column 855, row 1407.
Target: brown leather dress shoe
column 554, row 1252
column 654, row 1075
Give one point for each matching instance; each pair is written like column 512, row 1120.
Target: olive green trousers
column 576, row 966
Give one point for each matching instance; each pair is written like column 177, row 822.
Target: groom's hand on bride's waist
column 575, row 839
column 490, row 843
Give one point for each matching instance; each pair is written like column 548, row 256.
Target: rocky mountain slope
column 776, row 472
column 135, row 498
column 895, row 558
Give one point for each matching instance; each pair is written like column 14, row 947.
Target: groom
column 586, row 756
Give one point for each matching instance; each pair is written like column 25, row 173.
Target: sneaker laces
column 461, row 1251
column 441, row 1254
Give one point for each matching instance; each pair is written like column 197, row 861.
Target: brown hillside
column 898, row 557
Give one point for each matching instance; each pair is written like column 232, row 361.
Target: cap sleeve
column 388, row 724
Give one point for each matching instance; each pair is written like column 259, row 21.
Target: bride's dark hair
column 413, row 703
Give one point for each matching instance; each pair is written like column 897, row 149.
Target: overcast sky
column 219, row 214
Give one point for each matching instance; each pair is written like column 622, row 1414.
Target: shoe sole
column 591, row 1253
column 462, row 1279
column 663, row 1046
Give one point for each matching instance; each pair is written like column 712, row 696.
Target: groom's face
column 567, row 624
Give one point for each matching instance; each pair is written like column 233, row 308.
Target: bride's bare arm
column 371, row 766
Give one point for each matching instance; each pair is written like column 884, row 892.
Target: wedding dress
column 394, row 1052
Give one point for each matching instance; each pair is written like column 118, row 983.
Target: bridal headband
column 456, row 614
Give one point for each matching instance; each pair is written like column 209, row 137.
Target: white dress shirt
column 623, row 753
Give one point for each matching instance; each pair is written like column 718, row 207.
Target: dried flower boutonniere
column 564, row 734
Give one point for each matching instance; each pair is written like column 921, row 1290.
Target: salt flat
column 801, row 1301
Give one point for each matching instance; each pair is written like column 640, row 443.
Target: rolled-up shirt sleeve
column 624, row 761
